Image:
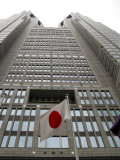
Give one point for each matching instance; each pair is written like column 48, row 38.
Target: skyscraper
column 38, row 67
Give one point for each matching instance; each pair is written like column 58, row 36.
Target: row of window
column 27, row 142
column 99, row 97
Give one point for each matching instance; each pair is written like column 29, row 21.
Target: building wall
column 39, row 69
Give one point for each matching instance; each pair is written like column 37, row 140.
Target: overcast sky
column 52, row 12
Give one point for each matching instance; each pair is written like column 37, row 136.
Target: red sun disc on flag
column 54, row 119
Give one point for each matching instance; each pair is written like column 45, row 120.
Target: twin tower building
column 39, row 66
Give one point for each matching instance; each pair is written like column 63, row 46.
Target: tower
column 38, row 67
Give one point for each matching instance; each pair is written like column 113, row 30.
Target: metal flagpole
column 75, row 147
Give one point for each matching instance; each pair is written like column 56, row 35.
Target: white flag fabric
column 52, row 121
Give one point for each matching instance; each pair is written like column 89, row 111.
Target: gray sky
column 52, row 12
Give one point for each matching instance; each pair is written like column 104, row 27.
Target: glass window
column 21, row 141
column 111, row 141
column 118, row 112
column 0, row 91
column 13, row 112
column 92, row 94
column 6, row 91
column 110, row 124
column 87, row 101
column 105, row 126
column 100, row 141
column 12, row 141
column 21, row 100
column 4, row 141
column 77, row 142
column 4, row 111
column 113, row 112
column 84, row 94
column 29, row 141
column 83, row 142
column 97, row 94
column 100, row 113
column 77, row 112
column 80, row 93
column 53, row 142
column 18, row 92
column 100, row 101
column 23, row 93
column 117, row 140
column 89, row 126
column 74, row 127
column 91, row 112
column 24, row 126
column 103, row 94
column 95, row 101
column 108, row 93
column 105, row 112
column 11, row 93
column 8, row 100
column 64, row 142
column 42, row 111
column 16, row 100
column 72, row 113
column 93, row 142
column 95, row 126
column 107, row 101
column 19, row 112
column 31, row 126
column 85, row 113
column 112, row 101
column 9, row 126
column 33, row 112
column 82, row 101
column 27, row 112
column 41, row 144
column 15, row 126
column 80, row 126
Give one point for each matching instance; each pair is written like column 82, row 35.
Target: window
column 74, row 127
column 101, row 144
column 21, row 141
column 9, row 126
column 24, row 126
column 85, row 113
column 117, row 140
column 89, row 126
column 19, row 112
column 83, row 142
column 64, row 142
column 95, row 126
column 29, row 141
column 77, row 112
column 31, row 126
column 111, row 141
column 80, row 127
column 113, row 112
column 12, row 141
column 15, row 126
column 54, row 142
column 93, row 142
column 105, row 126
column 4, row 141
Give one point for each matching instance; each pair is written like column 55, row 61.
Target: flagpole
column 75, row 146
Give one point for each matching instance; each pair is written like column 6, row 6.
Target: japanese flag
column 52, row 121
